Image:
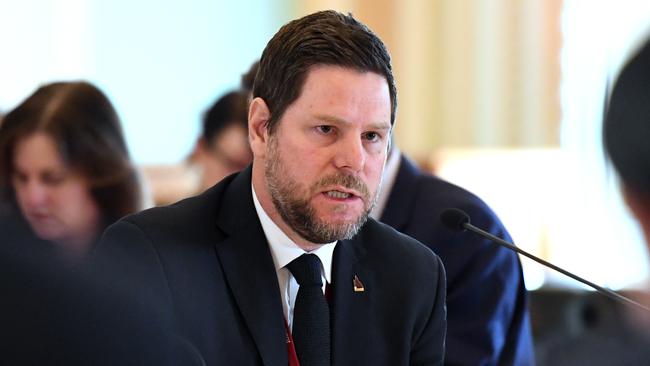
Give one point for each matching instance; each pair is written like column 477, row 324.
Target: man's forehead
column 346, row 80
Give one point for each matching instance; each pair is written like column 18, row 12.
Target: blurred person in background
column 52, row 314
column 626, row 134
column 222, row 148
column 617, row 334
column 487, row 302
column 626, row 131
column 65, row 168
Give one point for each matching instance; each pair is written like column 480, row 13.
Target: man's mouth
column 338, row 194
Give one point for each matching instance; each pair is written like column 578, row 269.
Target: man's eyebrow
column 335, row 120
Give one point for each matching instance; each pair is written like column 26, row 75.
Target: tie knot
column 307, row 270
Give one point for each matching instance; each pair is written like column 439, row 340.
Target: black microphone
column 458, row 220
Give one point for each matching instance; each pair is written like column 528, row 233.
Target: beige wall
column 469, row 72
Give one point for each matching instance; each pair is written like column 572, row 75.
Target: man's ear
column 638, row 204
column 258, row 117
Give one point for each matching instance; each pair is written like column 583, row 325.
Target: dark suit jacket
column 208, row 263
column 488, row 321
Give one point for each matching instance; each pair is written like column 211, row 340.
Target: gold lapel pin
column 357, row 284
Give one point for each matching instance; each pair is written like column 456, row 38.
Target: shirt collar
column 285, row 250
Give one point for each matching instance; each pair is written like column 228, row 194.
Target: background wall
column 161, row 62
column 469, row 72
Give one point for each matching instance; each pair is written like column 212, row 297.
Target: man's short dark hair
column 627, row 123
column 322, row 38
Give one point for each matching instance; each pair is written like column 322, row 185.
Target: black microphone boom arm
column 456, row 219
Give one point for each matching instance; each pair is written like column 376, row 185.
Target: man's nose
column 350, row 154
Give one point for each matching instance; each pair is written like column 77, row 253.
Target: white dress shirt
column 285, row 250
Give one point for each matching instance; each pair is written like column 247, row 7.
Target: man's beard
column 292, row 201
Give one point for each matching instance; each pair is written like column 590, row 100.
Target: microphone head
column 454, row 219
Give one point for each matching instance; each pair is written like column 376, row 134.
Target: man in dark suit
column 224, row 265
column 487, row 313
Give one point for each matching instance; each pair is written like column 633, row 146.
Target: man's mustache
column 348, row 181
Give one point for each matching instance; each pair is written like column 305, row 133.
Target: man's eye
column 325, row 129
column 372, row 136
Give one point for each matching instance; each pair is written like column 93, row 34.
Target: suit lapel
column 248, row 266
column 350, row 310
column 399, row 207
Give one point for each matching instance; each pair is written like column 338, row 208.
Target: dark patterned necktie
column 311, row 316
